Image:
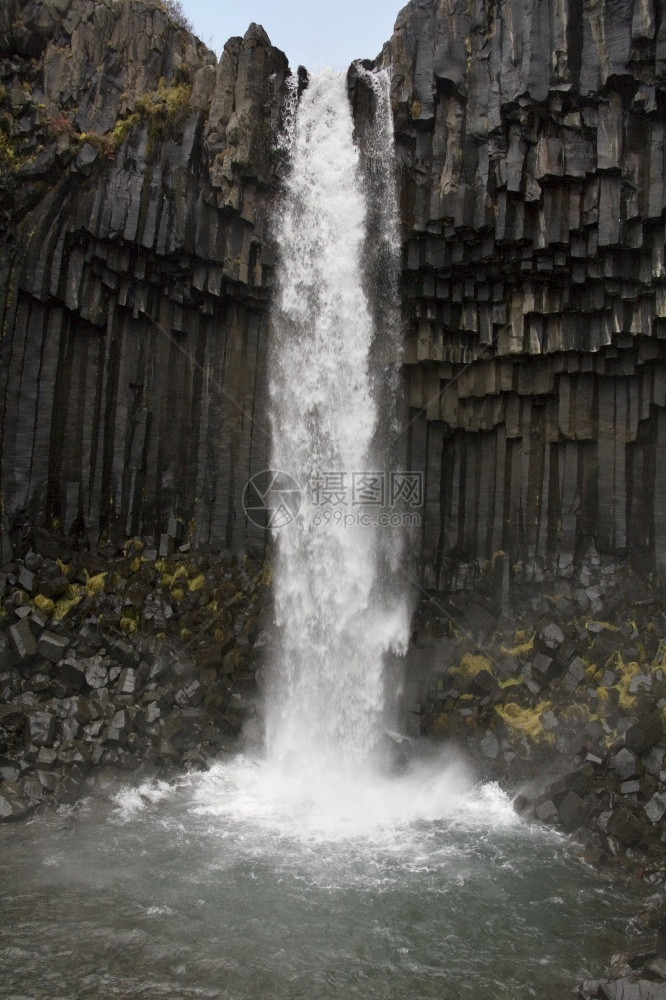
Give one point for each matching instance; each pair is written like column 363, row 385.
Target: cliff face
column 135, row 175
column 531, row 145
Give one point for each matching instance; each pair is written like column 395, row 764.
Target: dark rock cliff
column 135, row 176
column 531, row 145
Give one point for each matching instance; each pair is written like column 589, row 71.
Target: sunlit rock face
column 136, row 181
column 531, row 143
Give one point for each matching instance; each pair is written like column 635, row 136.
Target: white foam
column 347, row 804
column 131, row 801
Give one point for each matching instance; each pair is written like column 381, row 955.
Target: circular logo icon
column 272, row 499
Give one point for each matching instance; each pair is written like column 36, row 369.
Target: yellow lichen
column 627, row 672
column 265, row 576
column 44, row 604
column 168, row 579
column 510, row 682
column 128, row 624
column 95, row 584
column 471, row 665
column 592, row 674
column 69, row 601
column 196, row 583
column 522, row 648
column 526, row 721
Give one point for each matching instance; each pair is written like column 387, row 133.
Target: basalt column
column 134, row 271
column 531, row 143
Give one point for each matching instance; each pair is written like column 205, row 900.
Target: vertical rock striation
column 135, row 171
column 531, row 143
column 135, row 270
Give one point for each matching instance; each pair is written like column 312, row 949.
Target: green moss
column 163, row 109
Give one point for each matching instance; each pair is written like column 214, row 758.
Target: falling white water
column 336, row 616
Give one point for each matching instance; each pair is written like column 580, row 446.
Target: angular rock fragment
column 22, row 641
column 53, row 647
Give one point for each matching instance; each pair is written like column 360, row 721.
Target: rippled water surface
column 244, row 883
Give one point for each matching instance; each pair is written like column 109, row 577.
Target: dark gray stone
column 85, row 158
column 630, row 787
column 42, row 728
column 645, row 733
column 546, row 811
column 51, row 646
column 22, row 641
column 625, row 763
column 549, row 639
column 71, row 674
column 544, row 668
column 26, row 580
column 574, row 675
column 127, row 682
column 626, row 827
column 54, row 587
column 656, row 807
column 490, row 746
column 572, row 812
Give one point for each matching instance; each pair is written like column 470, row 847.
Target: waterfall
column 335, row 349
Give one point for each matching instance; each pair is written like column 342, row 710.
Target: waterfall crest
column 332, row 397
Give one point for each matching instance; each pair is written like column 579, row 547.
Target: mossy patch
column 129, row 620
column 526, row 721
column 523, row 646
column 471, row 665
column 44, row 604
column 65, row 604
column 265, row 576
column 95, row 585
column 627, row 672
column 510, row 682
